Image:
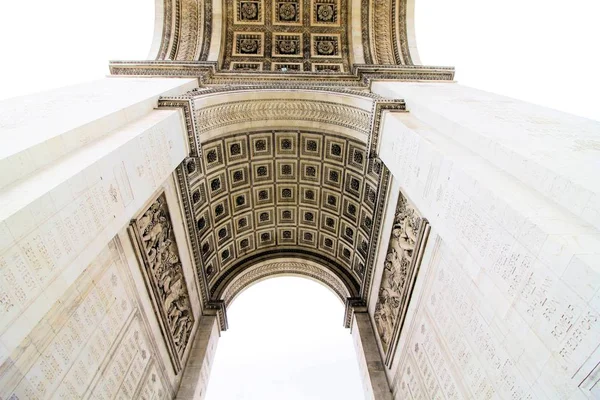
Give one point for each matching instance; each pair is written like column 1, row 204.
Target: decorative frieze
column 163, row 274
column 246, row 66
column 285, row 67
column 402, row 262
column 328, row 67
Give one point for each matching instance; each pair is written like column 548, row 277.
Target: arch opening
column 285, row 338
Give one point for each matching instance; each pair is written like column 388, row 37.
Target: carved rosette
column 164, row 278
column 407, row 242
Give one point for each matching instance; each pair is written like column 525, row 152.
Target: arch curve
column 284, row 266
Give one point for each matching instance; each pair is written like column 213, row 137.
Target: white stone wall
column 370, row 364
column 552, row 152
column 94, row 341
column 197, row 371
column 77, row 164
column 39, row 129
column 507, row 304
column 78, row 204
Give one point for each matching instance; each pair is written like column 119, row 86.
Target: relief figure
column 397, row 266
column 164, row 272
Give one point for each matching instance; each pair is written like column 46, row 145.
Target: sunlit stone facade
column 268, row 138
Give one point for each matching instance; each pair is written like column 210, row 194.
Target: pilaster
column 197, row 371
column 510, row 305
column 372, row 368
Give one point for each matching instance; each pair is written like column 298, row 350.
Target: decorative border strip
column 376, row 115
column 384, row 185
column 360, row 76
column 191, row 125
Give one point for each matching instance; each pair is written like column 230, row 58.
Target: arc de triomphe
column 296, row 137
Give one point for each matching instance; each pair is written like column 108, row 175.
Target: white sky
column 286, row 337
column 543, row 51
column 286, row 341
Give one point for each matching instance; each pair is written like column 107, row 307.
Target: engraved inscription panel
column 93, row 343
column 461, row 348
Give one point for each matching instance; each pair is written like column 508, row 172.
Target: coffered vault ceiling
column 278, row 173
column 344, row 43
column 304, row 192
column 286, row 35
column 283, row 133
column 295, row 37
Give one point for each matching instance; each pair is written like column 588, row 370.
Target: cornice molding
column 207, row 73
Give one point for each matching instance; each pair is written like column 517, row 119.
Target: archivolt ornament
column 186, row 30
column 321, row 274
column 403, row 259
column 210, row 118
column 163, row 274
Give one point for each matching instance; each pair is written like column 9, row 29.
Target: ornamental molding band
column 359, row 77
column 156, row 247
column 209, row 109
column 283, row 109
column 276, row 268
column 405, row 251
column 185, row 33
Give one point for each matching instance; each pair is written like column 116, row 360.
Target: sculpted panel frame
column 410, row 232
column 156, row 248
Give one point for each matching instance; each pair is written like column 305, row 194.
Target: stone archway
column 197, row 372
column 286, row 327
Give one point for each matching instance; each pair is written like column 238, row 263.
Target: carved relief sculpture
column 408, row 239
column 163, row 274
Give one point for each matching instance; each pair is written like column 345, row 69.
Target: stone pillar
column 370, row 364
column 197, row 371
column 510, row 305
column 39, row 129
column 551, row 152
column 76, row 164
